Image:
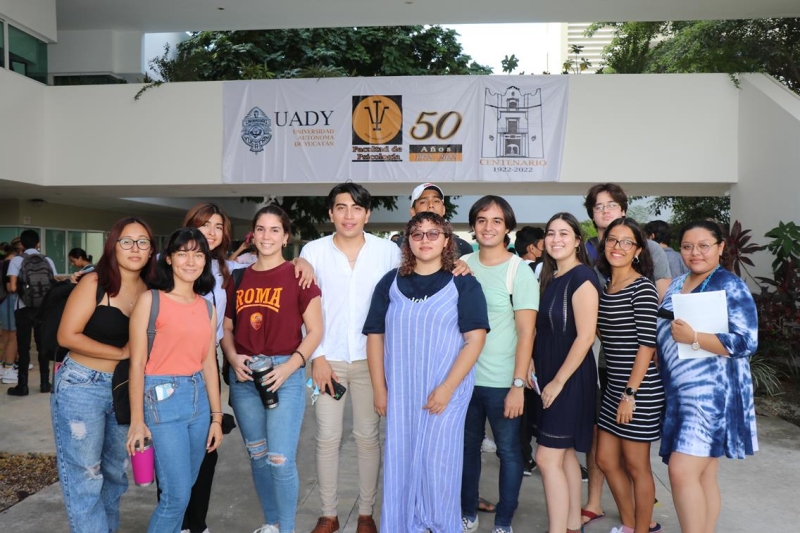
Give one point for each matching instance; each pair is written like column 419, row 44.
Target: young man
column 348, row 265
column 658, row 231
column 25, row 318
column 606, row 202
column 430, row 197
column 503, row 369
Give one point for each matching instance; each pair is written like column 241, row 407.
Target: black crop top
column 108, row 325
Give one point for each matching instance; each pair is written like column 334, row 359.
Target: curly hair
column 409, row 261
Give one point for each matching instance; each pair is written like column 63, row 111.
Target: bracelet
column 216, row 412
column 626, row 398
column 446, row 386
column 217, row 422
column 303, row 357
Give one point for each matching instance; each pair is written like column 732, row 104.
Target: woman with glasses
column 90, row 445
column 566, row 369
column 174, row 383
column 425, row 330
column 709, row 399
column 630, row 413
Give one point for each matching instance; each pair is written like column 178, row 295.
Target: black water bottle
column 261, row 365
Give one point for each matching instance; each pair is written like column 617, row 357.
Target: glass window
column 54, row 247
column 27, row 55
column 2, row 44
column 90, row 241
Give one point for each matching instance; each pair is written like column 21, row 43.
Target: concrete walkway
column 759, row 494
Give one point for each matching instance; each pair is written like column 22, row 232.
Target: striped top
column 627, row 320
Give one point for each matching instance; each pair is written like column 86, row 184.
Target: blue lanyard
column 702, row 285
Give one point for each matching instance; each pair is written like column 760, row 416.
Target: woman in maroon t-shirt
column 263, row 324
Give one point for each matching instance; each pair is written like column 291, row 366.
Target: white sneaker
column 617, row 530
column 488, row 445
column 469, row 526
column 30, row 366
column 10, row 375
column 500, row 529
column 267, row 528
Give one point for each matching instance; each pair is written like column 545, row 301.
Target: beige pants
column 330, row 418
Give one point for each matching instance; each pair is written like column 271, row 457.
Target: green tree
column 316, row 53
column 686, row 209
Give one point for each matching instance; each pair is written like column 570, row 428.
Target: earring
column 635, row 259
column 284, row 245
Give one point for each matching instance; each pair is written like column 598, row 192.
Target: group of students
column 435, row 344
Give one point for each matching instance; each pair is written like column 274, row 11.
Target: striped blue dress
column 423, row 453
column 709, row 401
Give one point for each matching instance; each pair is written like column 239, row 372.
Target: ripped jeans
column 271, row 437
column 90, row 447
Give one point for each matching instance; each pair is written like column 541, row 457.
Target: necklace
column 615, row 284
column 702, row 285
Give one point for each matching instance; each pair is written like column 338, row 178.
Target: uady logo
column 256, row 130
column 378, row 119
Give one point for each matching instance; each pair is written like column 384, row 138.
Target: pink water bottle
column 142, row 464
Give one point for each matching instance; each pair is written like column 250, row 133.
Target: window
column 27, row 55
column 2, row 44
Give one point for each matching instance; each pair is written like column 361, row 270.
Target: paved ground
column 759, row 494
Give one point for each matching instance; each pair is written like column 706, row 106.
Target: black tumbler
column 261, row 365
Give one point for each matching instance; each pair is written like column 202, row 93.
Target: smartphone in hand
column 338, row 390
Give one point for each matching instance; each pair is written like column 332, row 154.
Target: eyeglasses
column 127, row 244
column 703, row 247
column 625, row 244
column 431, row 234
column 610, row 206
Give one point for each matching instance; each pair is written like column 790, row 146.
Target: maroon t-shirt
column 269, row 307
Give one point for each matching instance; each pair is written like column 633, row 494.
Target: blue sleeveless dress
column 423, row 453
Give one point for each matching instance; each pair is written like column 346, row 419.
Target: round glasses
column 624, row 244
column 432, row 234
column 126, row 244
column 703, row 247
column 610, row 206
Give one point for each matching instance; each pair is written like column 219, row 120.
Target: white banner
column 386, row 129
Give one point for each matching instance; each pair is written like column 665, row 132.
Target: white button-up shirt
column 347, row 292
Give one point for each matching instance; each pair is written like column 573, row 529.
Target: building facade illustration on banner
column 512, row 124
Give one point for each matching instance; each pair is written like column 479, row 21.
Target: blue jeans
column 90, row 447
column 489, row 402
column 271, row 437
column 179, row 424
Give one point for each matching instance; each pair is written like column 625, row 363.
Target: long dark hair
column 716, row 231
column 108, row 276
column 184, row 239
column 644, row 265
column 199, row 215
column 409, row 261
column 549, row 267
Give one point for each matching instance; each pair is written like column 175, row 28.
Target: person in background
column 659, row 231
column 430, row 197
column 25, row 318
column 270, row 328
column 604, row 203
column 630, row 416
column 709, row 400
column 425, row 330
column 174, row 389
column 7, row 323
column 246, row 253
column 566, row 370
column 96, row 334
column 78, row 259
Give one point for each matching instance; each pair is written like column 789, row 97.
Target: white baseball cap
column 422, row 188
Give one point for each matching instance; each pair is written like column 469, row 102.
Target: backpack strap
column 511, row 275
column 238, row 276
column 151, row 323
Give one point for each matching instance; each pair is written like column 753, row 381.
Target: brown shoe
column 328, row 524
column 366, row 524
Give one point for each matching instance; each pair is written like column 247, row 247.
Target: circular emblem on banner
column 378, row 119
column 256, row 319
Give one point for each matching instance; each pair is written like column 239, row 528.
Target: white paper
column 706, row 312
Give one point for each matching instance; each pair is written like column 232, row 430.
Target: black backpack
column 34, row 280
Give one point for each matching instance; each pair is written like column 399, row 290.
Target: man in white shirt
column 348, row 265
column 25, row 319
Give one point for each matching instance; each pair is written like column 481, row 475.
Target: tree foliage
column 686, row 209
column 771, row 46
column 316, row 53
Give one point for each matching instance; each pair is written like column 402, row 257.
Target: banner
column 387, row 129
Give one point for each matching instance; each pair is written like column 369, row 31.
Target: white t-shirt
column 347, row 292
column 15, row 265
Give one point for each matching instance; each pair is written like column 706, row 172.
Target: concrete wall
column 23, row 135
column 35, row 16
column 96, row 52
column 768, row 190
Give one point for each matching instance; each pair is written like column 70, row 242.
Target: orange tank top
column 183, row 338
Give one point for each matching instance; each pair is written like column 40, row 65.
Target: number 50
column 438, row 127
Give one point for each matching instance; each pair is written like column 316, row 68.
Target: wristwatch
column 630, row 391
column 695, row 344
column 518, row 383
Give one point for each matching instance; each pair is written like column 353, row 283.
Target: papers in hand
column 704, row 311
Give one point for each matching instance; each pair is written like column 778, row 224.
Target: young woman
column 630, row 414
column 7, row 323
column 263, row 324
column 78, row 259
column 426, row 329
column 174, row 390
column 709, row 409
column 566, row 369
column 88, row 438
